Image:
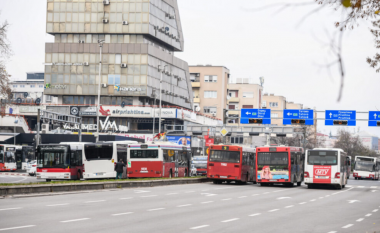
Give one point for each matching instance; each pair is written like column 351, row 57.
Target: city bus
column 8, row 157
column 366, row 168
column 160, row 159
column 228, row 163
column 326, row 167
column 200, row 165
column 28, row 155
column 279, row 165
column 348, row 167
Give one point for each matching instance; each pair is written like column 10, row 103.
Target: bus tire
column 78, row 175
column 48, row 180
column 339, row 186
column 170, row 174
column 299, row 183
column 254, row 182
column 356, row 178
column 310, row 186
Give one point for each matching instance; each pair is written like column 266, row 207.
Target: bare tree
column 353, row 145
column 5, row 53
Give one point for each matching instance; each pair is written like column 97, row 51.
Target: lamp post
column 159, row 121
column 100, row 78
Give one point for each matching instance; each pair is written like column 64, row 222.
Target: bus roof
column 165, row 145
column 233, row 147
column 279, row 148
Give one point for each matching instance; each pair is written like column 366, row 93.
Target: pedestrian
column 119, row 168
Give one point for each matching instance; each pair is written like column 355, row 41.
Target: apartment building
column 277, row 104
column 210, row 87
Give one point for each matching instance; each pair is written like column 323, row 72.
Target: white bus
column 8, row 157
column 326, row 166
column 366, row 168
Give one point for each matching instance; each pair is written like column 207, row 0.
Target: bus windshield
column 322, row 158
column 28, row 154
column 1, row 154
column 272, row 158
column 53, row 157
column 364, row 166
column 10, row 156
column 98, row 151
column 144, row 154
column 225, row 156
column 200, row 164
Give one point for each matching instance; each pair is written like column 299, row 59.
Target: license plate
column 322, row 177
column 223, row 176
column 143, row 171
column 99, row 174
column 272, row 180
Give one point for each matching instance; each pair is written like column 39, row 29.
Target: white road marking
column 374, row 191
column 206, row 202
column 347, row 226
column 289, row 206
column 198, row 227
column 184, row 205
column 321, row 197
column 16, row 208
column 126, row 198
column 332, row 232
column 19, row 180
column 327, row 195
column 230, row 220
column 12, row 228
column 375, row 210
column 59, row 204
column 171, row 193
column 141, row 191
column 343, row 191
column 75, row 220
column 150, row 196
column 279, row 190
column 360, row 187
column 242, row 197
column 94, row 201
column 205, row 190
column 360, row 219
column 373, row 187
column 273, row 210
column 122, row 214
column 227, row 199
column 208, row 194
column 348, row 186
column 313, row 200
column 281, row 198
column 156, row 209
column 302, row 203
column 367, row 215
column 253, row 215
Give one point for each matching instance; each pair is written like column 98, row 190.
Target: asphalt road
column 200, row 208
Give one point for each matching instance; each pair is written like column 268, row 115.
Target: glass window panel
column 48, row 58
column 88, row 38
column 73, row 58
column 67, row 57
column 105, row 58
column 62, row 17
column 111, row 79
column 92, row 79
column 123, row 80
column 54, row 78
column 145, row 7
column 50, row 17
column 85, row 79
column 92, row 58
column 113, row 38
column 108, row 38
column 81, row 17
column 132, row 17
column 118, row 59
column 94, row 17
column 75, row 7
column 125, row 7
column 95, row 38
column 60, row 78
column 119, row 17
column 138, row 17
column 137, row 59
column 117, row 69
column 47, row 69
column 124, row 58
column 69, row 7
column 111, row 58
column 67, row 69
column 61, row 57
column 64, row 38
column 112, row 17
column 75, row 17
column 117, row 79
column 73, row 78
column 67, row 78
column 136, row 80
column 80, row 58
column 79, row 79
column 143, row 80
column 132, row 7
column 120, row 38
column 47, row 78
column 81, row 7
column 131, row 59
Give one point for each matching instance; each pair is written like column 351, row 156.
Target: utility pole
column 159, row 121
column 100, row 79
column 38, row 127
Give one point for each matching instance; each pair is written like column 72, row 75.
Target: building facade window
column 274, row 115
column 211, row 78
column 22, row 85
column 233, row 106
column 247, row 94
column 14, row 85
column 273, row 104
column 233, row 93
column 247, row 106
column 113, row 79
column 108, row 100
column 210, row 94
column 48, row 98
column 41, row 86
column 209, row 109
column 237, row 140
column 32, row 86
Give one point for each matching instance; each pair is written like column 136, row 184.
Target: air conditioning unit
column 81, row 41
column 106, row 2
column 214, row 114
column 197, row 75
column 156, row 27
column 85, row 63
column 167, row 15
column 104, row 85
column 167, row 92
column 125, row 22
column 175, row 95
column 124, row 65
column 179, row 79
column 105, row 20
column 171, row 17
column 177, row 40
column 162, row 91
column 162, row 29
column 45, row 128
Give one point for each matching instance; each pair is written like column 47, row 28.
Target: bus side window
column 292, row 156
column 79, row 158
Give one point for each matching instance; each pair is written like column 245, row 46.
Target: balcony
column 234, row 99
column 196, row 84
column 196, row 100
column 233, row 112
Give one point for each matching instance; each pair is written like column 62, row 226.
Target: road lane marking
column 373, row 187
column 347, row 226
column 332, row 232
column 206, row 202
column 375, row 210
column 289, row 206
column 281, row 198
column 253, row 215
column 302, row 203
column 75, row 220
column 184, row 205
column 126, row 198
column 374, row 191
column 171, row 193
column 348, row 186
column 230, row 220
column 327, row 195
column 343, row 191
column 360, row 219
column 273, row 210
column 321, row 197
column 198, row 227
column 156, row 209
column 367, row 215
column 313, row 200
column 150, row 196
column 94, row 201
column 16, row 208
column 58, row 204
column 227, row 199
column 242, row 197
column 360, row 187
column 13, row 228
column 122, row 214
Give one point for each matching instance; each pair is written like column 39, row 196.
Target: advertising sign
column 272, row 172
column 146, row 137
column 322, row 171
column 180, row 140
column 209, row 141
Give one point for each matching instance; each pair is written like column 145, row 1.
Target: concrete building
column 209, row 85
column 370, row 141
column 277, row 104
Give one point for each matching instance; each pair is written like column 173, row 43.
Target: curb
column 14, row 174
column 59, row 189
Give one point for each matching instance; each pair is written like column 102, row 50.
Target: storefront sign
column 132, row 112
column 67, row 64
column 166, row 112
column 87, row 111
column 119, row 88
column 105, row 126
column 180, row 140
column 29, row 109
column 146, row 137
column 58, row 86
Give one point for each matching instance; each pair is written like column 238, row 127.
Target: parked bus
column 162, row 159
column 28, row 155
column 279, row 165
column 231, row 163
column 8, row 157
column 200, row 165
column 348, row 167
column 326, row 166
column 366, row 168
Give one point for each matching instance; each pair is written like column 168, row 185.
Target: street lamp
column 159, row 121
column 100, row 78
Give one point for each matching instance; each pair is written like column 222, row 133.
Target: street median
column 60, row 187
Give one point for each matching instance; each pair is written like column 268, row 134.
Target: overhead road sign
column 298, row 116
column 255, row 116
column 374, row 118
column 340, row 117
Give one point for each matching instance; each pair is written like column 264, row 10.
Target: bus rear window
column 98, row 151
column 272, row 158
column 322, row 158
column 225, row 156
column 144, row 154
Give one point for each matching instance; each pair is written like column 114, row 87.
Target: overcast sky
column 250, row 43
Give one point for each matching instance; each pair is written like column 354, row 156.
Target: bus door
column 18, row 159
column 122, row 153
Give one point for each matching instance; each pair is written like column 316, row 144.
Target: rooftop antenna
column 261, row 81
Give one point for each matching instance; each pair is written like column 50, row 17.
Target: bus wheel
column 78, row 175
column 215, row 181
column 310, row 186
column 356, row 178
column 299, row 183
column 339, row 186
column 254, row 182
column 185, row 175
column 48, row 180
column 170, row 174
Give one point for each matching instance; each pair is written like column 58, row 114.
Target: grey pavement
column 200, row 208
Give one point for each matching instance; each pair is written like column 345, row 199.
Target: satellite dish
column 197, row 109
column 25, row 94
column 19, row 100
column 167, row 29
column 38, row 101
column 123, row 104
column 228, row 97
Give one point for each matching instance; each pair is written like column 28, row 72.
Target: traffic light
column 298, row 121
column 378, row 123
column 340, row 122
column 255, row 121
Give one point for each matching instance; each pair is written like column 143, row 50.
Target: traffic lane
column 17, row 179
column 364, row 182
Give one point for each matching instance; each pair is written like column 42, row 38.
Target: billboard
column 180, row 140
column 274, row 172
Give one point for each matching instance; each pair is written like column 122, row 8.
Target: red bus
column 231, row 163
column 8, row 157
column 162, row 159
column 282, row 164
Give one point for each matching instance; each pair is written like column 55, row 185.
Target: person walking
column 119, row 168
